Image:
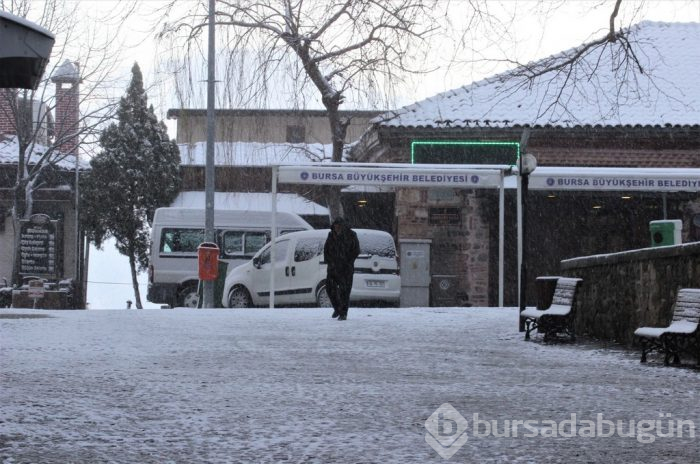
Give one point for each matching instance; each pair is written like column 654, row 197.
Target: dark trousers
column 338, row 287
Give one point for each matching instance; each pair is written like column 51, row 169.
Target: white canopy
column 395, row 175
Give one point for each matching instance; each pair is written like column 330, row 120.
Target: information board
column 39, row 244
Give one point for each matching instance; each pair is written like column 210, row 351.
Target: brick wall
column 7, row 118
column 460, row 248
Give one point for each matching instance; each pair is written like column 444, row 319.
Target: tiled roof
column 557, row 156
column 666, row 93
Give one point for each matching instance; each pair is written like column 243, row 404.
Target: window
column 237, row 243
column 280, row 253
column 233, row 243
column 444, row 216
column 296, row 134
column 254, row 241
column 307, row 249
column 181, row 240
column 377, row 245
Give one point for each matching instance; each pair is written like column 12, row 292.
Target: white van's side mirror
column 256, row 262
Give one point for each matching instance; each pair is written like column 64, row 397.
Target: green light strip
column 462, row 142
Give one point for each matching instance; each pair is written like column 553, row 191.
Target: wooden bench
column 559, row 317
column 682, row 331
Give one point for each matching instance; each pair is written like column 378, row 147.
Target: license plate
column 375, row 283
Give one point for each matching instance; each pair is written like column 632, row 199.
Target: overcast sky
column 540, row 28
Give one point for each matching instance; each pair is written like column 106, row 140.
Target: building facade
column 656, row 124
column 249, row 141
column 53, row 249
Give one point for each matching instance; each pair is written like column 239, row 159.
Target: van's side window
column 280, row 253
column 181, row 240
column 254, row 241
column 243, row 243
column 307, row 248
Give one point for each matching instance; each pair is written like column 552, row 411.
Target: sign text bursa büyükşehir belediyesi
column 379, row 177
column 621, row 182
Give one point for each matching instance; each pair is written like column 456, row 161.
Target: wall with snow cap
column 631, row 289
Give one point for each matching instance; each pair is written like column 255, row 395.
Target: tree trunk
column 339, row 130
column 134, row 281
column 18, row 206
column 335, row 206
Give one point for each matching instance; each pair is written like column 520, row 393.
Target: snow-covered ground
column 295, row 385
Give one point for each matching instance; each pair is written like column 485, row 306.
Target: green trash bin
column 665, row 232
column 218, row 287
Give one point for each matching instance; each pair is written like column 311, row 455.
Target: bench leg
column 668, row 351
column 571, row 329
column 527, row 329
column 644, row 350
column 671, row 346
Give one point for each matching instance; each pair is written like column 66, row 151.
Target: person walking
column 339, row 253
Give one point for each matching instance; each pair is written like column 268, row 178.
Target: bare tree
column 85, row 52
column 567, row 74
column 340, row 48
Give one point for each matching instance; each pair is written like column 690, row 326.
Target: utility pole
column 209, row 173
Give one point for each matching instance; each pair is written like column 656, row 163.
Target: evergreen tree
column 136, row 172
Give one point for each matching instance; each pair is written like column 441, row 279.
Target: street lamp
column 526, row 165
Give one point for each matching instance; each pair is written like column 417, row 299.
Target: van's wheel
column 188, row 297
column 239, row 298
column 322, row 298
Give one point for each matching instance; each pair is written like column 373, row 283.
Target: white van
column 300, row 272
column 177, row 232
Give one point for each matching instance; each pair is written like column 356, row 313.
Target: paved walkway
column 294, row 385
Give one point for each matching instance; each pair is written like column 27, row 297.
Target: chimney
column 67, row 80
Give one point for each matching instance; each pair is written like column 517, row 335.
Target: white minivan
column 300, row 272
column 177, row 232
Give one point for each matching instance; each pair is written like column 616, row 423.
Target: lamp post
column 526, row 165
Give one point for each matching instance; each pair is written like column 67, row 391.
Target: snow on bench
column 559, row 317
column 682, row 331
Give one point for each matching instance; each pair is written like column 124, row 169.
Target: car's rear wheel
column 322, row 298
column 189, row 298
column 239, row 298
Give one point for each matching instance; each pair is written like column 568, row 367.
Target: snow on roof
column 254, row 153
column 26, row 23
column 9, row 154
column 665, row 93
column 286, row 202
column 67, row 72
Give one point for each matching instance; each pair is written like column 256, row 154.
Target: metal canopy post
column 273, row 234
column 501, row 237
column 519, row 214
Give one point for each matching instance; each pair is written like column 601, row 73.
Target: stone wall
column 460, row 244
column 631, row 289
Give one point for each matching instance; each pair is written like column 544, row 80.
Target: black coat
column 340, row 252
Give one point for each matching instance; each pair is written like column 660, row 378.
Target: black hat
column 338, row 220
